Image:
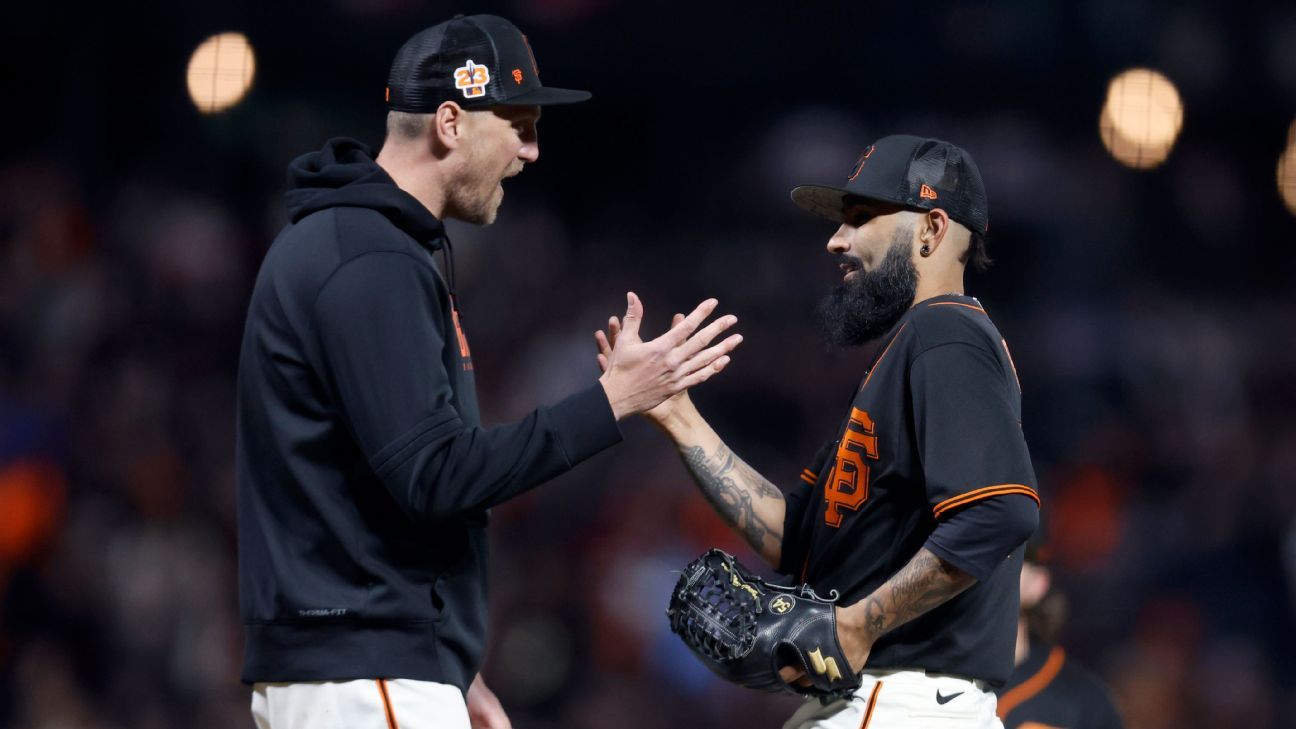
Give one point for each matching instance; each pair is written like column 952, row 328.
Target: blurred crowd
column 1153, row 340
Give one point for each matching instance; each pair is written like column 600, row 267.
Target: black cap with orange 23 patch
column 475, row 61
column 913, row 172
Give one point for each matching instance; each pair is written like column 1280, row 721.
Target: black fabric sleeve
column 792, row 550
column 968, row 428
column 380, row 331
column 977, row 538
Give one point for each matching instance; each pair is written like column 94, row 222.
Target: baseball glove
column 745, row 629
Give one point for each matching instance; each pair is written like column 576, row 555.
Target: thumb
column 633, row 317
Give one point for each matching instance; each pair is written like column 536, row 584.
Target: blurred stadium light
column 220, row 72
column 1287, row 171
column 1141, row 118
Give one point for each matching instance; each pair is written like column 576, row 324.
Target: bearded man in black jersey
column 916, row 511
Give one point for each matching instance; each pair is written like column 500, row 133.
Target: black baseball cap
column 914, row 172
column 475, row 61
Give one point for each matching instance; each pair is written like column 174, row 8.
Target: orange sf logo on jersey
column 848, row 483
column 472, row 78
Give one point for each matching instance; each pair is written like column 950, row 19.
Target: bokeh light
column 220, row 72
column 1141, row 118
column 1287, row 171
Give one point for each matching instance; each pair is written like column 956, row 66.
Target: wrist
column 613, row 398
column 850, row 620
column 854, row 632
column 680, row 421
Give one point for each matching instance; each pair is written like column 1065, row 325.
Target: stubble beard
column 477, row 197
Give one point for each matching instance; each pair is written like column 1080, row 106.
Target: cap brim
column 826, row 202
column 547, row 96
column 830, row 202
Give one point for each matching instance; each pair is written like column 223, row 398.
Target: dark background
column 1149, row 312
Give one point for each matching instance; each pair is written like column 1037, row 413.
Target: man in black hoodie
column 364, row 474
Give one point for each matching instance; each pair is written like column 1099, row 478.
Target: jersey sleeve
column 978, row 538
column 968, row 428
column 797, row 500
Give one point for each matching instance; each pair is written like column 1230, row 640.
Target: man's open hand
column 640, row 375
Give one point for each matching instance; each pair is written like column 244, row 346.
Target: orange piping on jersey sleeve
column 872, row 704
column 955, row 303
column 1011, row 363
column 1033, row 685
column 878, row 363
column 809, row 477
column 985, row 493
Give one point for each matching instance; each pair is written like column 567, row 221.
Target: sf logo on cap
column 472, row 78
column 859, row 163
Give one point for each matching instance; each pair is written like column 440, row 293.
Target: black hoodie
column 364, row 474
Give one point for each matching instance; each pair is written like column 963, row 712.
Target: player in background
column 917, row 512
column 1047, row 688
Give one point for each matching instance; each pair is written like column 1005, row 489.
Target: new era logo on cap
column 469, row 60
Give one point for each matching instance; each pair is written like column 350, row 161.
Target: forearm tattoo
column 918, row 587
column 733, row 488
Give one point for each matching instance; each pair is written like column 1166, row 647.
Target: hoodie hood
column 344, row 174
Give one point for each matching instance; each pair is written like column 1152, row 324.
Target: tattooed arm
column 746, row 500
column 920, row 586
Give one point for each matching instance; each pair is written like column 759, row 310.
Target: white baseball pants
column 395, row 703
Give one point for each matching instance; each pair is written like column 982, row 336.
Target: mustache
column 848, row 261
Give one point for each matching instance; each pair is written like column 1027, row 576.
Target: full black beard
column 865, row 307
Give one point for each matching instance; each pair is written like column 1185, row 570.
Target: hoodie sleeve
column 379, row 327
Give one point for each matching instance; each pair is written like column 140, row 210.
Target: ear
column 932, row 228
column 448, row 125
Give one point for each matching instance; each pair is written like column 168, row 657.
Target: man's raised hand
column 639, row 375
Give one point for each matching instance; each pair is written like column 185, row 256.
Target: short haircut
column 405, row 125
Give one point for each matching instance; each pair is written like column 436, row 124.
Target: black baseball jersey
column 1049, row 691
column 934, row 429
